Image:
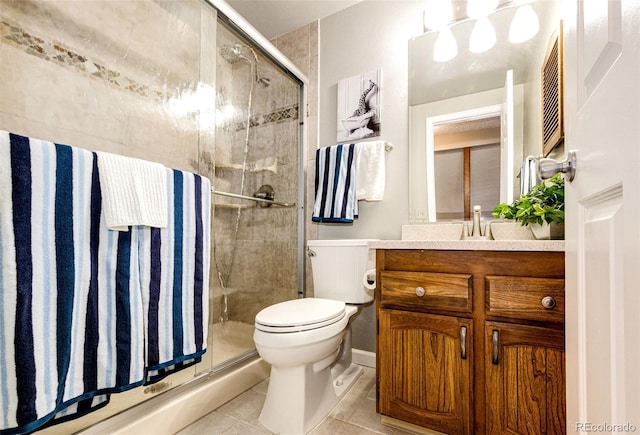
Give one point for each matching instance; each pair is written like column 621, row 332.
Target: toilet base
column 307, row 397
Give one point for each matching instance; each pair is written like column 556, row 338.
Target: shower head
column 233, row 54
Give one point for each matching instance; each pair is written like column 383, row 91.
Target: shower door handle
column 253, row 198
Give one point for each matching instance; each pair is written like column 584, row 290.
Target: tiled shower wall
column 301, row 46
column 89, row 74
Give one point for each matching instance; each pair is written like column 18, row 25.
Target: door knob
column 547, row 168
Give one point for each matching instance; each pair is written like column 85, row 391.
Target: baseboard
column 363, row 358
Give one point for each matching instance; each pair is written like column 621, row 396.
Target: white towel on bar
column 528, row 174
column 370, row 170
column 134, row 192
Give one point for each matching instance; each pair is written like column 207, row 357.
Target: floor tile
column 355, row 414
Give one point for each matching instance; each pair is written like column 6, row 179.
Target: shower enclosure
column 256, row 179
column 189, row 85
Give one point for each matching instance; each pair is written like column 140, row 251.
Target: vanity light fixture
column 524, row 26
column 480, row 8
column 446, row 47
column 438, row 16
column 483, row 36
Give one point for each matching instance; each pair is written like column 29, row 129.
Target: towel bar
column 251, row 198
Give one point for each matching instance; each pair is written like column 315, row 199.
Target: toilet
column 308, row 341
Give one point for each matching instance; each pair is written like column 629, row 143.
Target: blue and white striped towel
column 335, row 192
column 75, row 296
column 58, row 274
column 175, row 277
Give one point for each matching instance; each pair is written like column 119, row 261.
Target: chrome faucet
column 476, row 230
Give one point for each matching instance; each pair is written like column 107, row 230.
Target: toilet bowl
column 308, row 341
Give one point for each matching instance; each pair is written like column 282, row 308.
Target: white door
column 602, row 102
column 507, row 141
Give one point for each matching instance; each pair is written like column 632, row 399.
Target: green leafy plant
column 543, row 203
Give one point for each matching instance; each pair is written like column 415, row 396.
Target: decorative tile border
column 58, row 53
column 287, row 113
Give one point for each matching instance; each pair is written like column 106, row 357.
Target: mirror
column 460, row 101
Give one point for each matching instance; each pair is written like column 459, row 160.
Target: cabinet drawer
column 425, row 290
column 525, row 298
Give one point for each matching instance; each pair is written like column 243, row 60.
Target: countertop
column 472, row 245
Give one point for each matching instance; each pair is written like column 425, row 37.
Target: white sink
column 433, row 231
column 510, row 230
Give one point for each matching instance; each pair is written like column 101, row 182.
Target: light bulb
column 446, row 47
column 437, row 14
column 483, row 36
column 480, row 8
column 524, row 26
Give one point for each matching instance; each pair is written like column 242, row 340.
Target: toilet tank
column 338, row 268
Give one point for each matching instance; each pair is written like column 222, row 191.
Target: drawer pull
column 420, row 291
column 463, row 342
column 495, row 339
column 548, row 302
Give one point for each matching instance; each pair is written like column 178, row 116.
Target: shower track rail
column 252, row 198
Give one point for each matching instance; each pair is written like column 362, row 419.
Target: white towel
column 134, row 192
column 528, row 174
column 370, row 170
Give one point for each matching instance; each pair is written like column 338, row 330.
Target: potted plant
column 542, row 207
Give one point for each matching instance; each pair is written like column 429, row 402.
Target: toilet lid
column 300, row 315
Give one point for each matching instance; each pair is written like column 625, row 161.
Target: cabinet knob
column 419, row 291
column 548, row 302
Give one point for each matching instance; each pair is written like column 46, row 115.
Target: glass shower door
column 257, row 153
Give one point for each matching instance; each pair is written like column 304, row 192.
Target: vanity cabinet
column 471, row 342
column 525, row 379
column 427, row 358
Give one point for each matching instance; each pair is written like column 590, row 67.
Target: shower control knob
column 419, row 291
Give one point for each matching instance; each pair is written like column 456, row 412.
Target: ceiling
column 276, row 17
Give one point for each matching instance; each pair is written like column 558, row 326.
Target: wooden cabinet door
column 427, row 378
column 524, row 369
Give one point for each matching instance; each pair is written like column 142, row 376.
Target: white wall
column 371, row 35
column 367, row 36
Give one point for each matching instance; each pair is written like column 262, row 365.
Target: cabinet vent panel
column 552, row 94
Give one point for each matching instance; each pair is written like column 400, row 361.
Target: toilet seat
column 300, row 315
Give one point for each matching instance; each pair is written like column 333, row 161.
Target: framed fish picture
column 359, row 107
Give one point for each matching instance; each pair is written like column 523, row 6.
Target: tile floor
column 355, row 414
